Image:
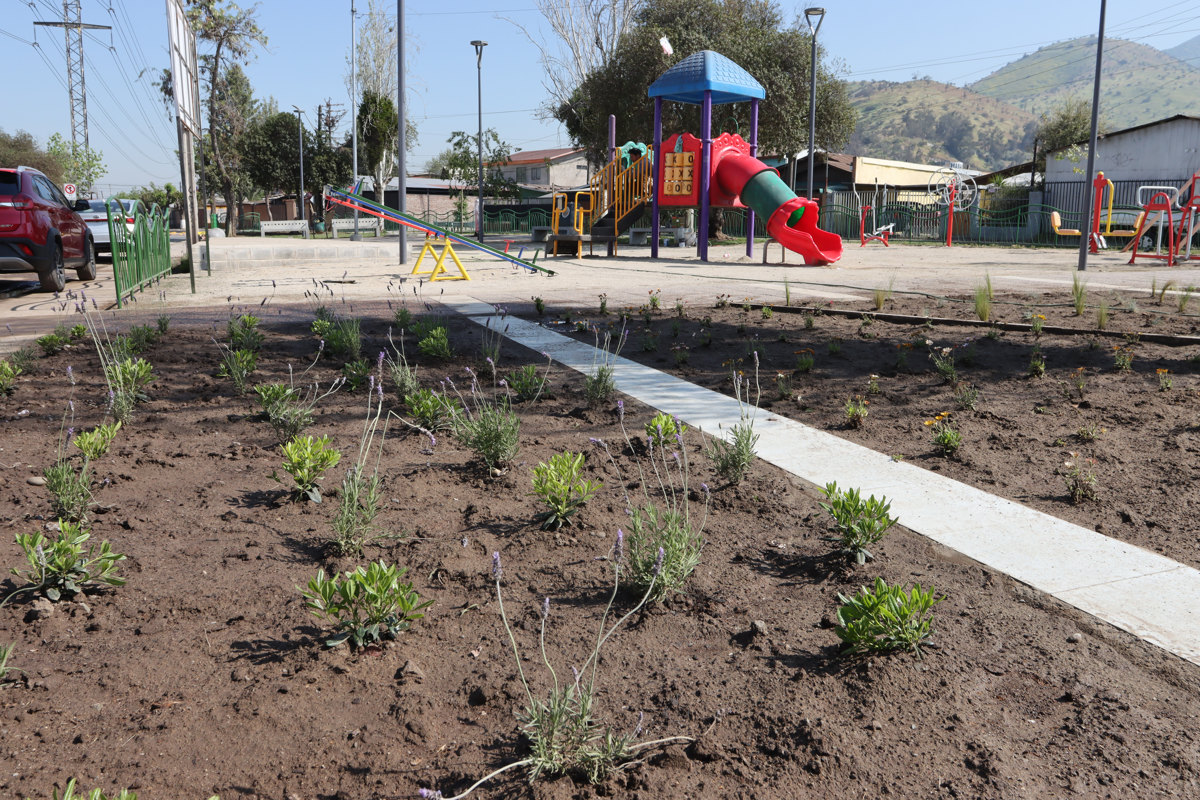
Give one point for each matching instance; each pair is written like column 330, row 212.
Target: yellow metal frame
column 438, row 271
column 610, row 189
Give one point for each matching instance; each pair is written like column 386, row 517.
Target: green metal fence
column 139, row 255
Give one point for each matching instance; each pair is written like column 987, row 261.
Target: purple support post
column 753, row 154
column 705, row 160
column 656, row 167
column 607, row 188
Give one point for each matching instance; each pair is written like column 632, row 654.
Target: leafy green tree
column 82, row 165
column 232, row 32
column 377, row 130
column 460, row 164
column 270, row 152
column 752, row 33
column 327, row 165
column 1066, row 128
column 21, row 148
column 164, row 196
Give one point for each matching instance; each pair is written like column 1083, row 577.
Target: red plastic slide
column 791, row 220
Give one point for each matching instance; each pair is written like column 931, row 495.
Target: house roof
column 707, row 71
column 1138, row 128
column 542, row 156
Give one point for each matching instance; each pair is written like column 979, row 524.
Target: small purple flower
column 497, row 570
column 489, row 360
column 429, row 794
column 594, row 440
column 321, row 346
column 621, row 409
column 504, row 383
column 432, row 441
column 704, row 486
column 618, row 551
column 370, row 384
column 545, row 607
column 379, row 391
column 464, row 541
column 658, row 562
column 576, row 673
column 71, row 405
column 675, row 455
column 70, row 433
column 71, row 375
column 379, row 362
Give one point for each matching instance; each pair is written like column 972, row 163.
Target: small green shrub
column 356, row 373
column 403, row 318
column 163, row 324
column 662, row 543
column 492, row 431
column 70, row 490
column 127, row 380
column 5, row 669
column 945, row 438
column 95, row 443
column 886, row 618
column 436, row 344
column 732, row 458
column 142, row 338
column 22, row 359
column 560, row 484
column 62, row 567
column 1079, row 294
column 369, row 605
column 8, row 376
column 344, row 339
column 859, row 523
column 805, row 360
column 237, row 366
column 983, row 303
column 1080, row 479
column 600, row 386
column 358, row 506
column 1123, row 358
column 1037, row 363
column 526, row 383
column 966, row 396
column 943, row 362
column 663, row 430
column 433, row 411
column 244, row 333
column 96, row 794
column 306, row 458
column 52, row 343
column 856, row 411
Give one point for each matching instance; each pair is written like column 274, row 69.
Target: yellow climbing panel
column 438, row 272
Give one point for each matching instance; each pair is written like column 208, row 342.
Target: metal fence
column 139, row 255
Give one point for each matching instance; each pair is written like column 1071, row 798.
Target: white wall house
column 559, row 168
column 1168, row 149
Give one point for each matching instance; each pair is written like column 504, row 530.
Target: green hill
column 933, row 123
column 1139, row 83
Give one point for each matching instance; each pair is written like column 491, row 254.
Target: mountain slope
column 931, row 122
column 1138, row 84
column 1189, row 51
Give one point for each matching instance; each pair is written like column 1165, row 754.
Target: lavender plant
column 563, row 728
column 360, row 497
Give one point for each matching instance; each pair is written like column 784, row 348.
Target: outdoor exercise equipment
column 879, row 233
column 360, row 203
column 1160, row 205
column 956, row 190
column 1189, row 217
column 724, row 173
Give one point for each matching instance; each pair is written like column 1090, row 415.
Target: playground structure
column 728, row 174
column 366, row 206
column 686, row 171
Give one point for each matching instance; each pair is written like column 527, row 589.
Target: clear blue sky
column 305, row 62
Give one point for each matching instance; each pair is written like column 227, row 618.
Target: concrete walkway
column 1141, row 592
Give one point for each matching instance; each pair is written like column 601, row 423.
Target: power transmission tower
column 334, row 113
column 73, row 28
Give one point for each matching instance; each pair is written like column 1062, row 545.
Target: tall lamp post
column 356, row 236
column 811, row 14
column 479, row 44
column 300, row 197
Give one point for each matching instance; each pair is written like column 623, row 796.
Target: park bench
column 283, row 226
column 364, row 226
column 541, row 233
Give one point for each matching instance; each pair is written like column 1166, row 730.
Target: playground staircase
column 614, row 199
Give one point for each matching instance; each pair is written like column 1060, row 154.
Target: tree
column 377, row 129
column 21, row 148
column 462, row 162
column 1067, row 127
column 81, row 164
column 586, row 33
column 152, row 195
column 233, row 33
column 271, row 154
column 749, row 32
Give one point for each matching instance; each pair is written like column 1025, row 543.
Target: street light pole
column 479, row 45
column 300, row 197
column 1086, row 239
column 354, row 237
column 809, row 15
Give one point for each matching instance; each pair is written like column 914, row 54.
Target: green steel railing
column 140, row 255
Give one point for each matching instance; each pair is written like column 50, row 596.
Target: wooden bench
column 541, row 233
column 283, row 226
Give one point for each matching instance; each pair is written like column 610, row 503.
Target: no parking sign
column 71, row 191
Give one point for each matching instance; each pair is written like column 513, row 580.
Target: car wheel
column 88, row 271
column 56, row 279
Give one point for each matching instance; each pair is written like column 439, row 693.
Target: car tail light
column 25, row 249
column 129, row 220
column 17, row 201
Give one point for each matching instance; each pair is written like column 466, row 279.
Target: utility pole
column 356, row 236
column 73, row 28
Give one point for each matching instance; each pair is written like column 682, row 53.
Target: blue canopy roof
column 707, row 70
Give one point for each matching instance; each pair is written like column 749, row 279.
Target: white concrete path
column 1141, row 592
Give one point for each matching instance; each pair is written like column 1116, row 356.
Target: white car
column 97, row 220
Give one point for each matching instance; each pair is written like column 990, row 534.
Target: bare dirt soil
column 205, row 673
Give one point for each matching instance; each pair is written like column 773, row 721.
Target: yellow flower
column 928, row 422
column 1162, row 371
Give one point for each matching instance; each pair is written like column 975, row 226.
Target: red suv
column 40, row 231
